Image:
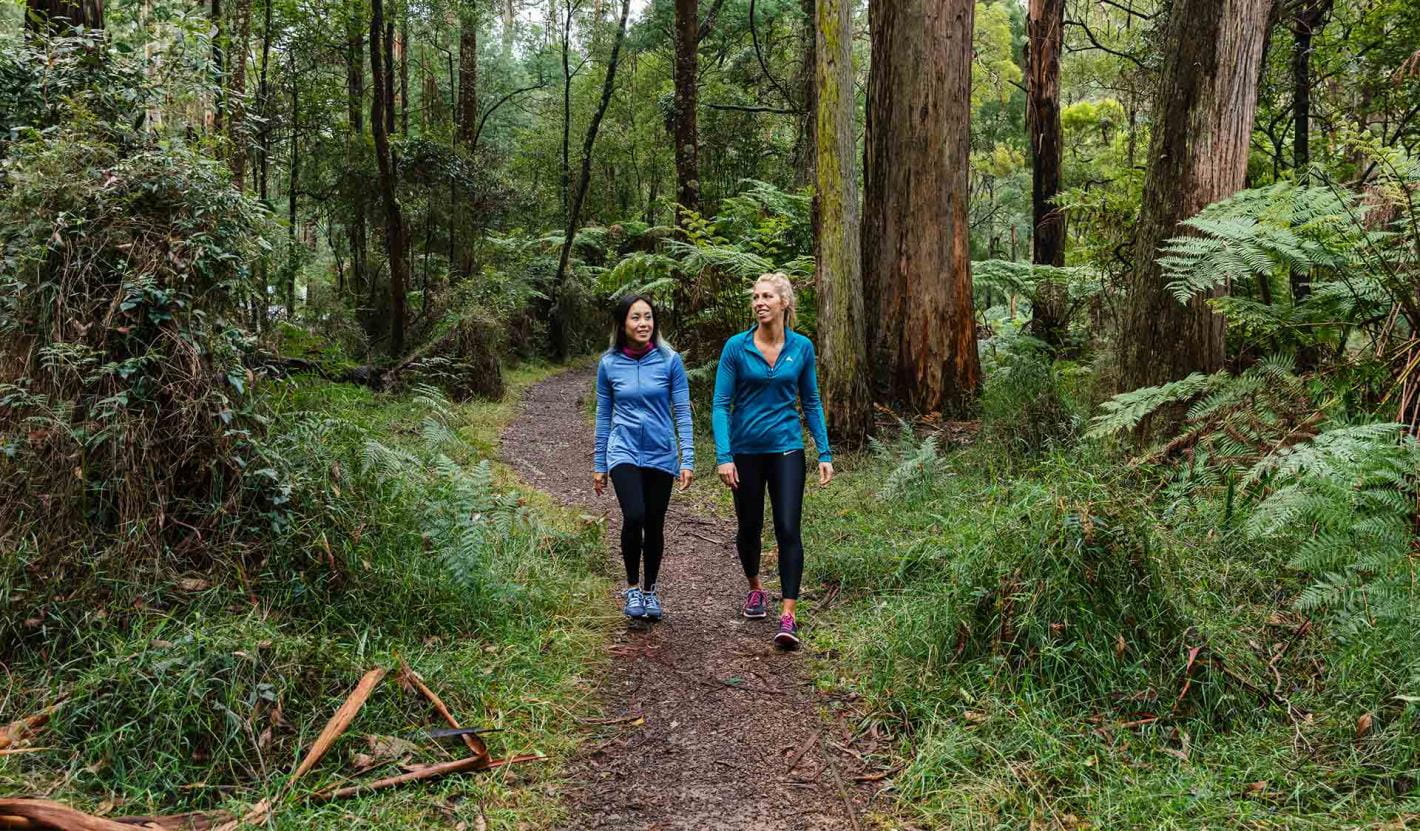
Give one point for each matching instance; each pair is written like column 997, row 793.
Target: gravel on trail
column 734, row 736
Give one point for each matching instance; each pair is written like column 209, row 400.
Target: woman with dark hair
column 765, row 375
column 641, row 388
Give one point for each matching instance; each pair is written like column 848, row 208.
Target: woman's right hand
column 729, row 475
column 599, row 482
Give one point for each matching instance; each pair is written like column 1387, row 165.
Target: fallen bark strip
column 429, row 772
column 17, row 730
column 339, row 722
column 332, row 730
column 45, row 813
column 474, row 743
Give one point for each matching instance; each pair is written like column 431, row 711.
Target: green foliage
column 703, row 279
column 126, row 433
column 913, row 461
column 1345, row 501
column 1027, row 405
column 393, row 542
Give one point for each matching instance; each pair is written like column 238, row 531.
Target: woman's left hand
column 686, row 477
column 825, row 473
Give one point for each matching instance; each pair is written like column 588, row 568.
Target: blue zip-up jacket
column 754, row 408
column 635, row 401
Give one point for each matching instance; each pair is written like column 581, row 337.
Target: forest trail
column 733, row 737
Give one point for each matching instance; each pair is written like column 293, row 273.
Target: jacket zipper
column 641, row 445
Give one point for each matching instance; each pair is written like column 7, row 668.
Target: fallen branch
column 799, row 754
column 430, row 772
column 474, row 743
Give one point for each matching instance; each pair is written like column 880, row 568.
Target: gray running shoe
column 756, row 604
column 635, row 603
column 652, row 604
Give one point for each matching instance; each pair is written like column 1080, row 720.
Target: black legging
column 644, row 494
column 783, row 473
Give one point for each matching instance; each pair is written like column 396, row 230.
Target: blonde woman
column 765, row 373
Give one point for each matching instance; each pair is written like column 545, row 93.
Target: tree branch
column 1100, row 46
column 709, row 22
column 754, row 36
column 500, row 102
column 748, row 109
column 1128, row 9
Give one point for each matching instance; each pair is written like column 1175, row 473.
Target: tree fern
column 1346, row 500
column 1125, row 411
column 915, row 461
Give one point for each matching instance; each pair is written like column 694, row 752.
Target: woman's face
column 639, row 323
column 767, row 303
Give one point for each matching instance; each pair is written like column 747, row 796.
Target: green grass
column 1021, row 627
column 207, row 695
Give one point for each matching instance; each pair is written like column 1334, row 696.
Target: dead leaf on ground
column 381, row 749
column 1363, row 725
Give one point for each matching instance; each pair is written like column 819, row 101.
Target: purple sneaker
column 788, row 635
column 755, row 604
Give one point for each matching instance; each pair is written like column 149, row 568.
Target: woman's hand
column 686, row 477
column 729, row 475
column 825, row 473
column 599, row 482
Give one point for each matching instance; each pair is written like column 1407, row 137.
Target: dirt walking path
column 733, row 737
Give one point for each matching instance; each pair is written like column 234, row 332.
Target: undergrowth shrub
column 1027, row 403
column 127, row 445
column 393, row 541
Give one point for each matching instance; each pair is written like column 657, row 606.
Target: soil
column 734, row 736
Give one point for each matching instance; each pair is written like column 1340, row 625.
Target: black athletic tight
column 644, row 494
column 783, row 475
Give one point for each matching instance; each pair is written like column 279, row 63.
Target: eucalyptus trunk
column 916, row 250
column 842, row 338
column 1203, row 119
column 561, row 319
column 1045, row 26
column 396, row 237
column 684, row 125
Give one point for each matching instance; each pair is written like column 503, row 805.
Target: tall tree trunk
column 843, row 341
column 560, row 317
column 687, row 135
column 567, row 114
column 263, row 147
column 1203, row 119
column 510, row 15
column 804, row 142
column 402, row 48
column 391, row 111
column 916, row 254
column 237, row 124
column 57, row 17
column 292, row 187
column 263, row 95
column 219, row 68
column 468, row 79
column 1307, row 19
column 360, row 282
column 1045, row 25
column 396, row 240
